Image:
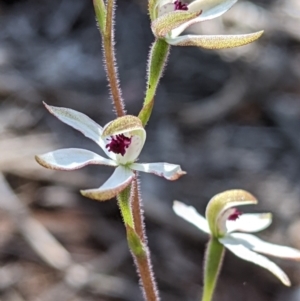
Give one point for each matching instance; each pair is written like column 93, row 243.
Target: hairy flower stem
column 137, row 242
column 157, row 60
column 143, row 262
column 147, row 279
column 109, row 55
column 137, row 211
column 213, row 261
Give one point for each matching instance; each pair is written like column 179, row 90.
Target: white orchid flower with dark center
column 171, row 17
column 224, row 222
column 121, row 140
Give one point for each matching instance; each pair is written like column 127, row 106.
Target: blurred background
column 231, row 118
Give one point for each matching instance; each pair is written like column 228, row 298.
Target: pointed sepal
column 119, row 180
column 78, row 121
column 71, row 159
column 190, row 214
column 215, row 41
column 245, row 253
column 169, row 171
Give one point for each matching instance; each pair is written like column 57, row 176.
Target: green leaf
column 135, row 243
column 100, row 11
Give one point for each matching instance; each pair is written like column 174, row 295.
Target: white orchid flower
column 121, row 140
column 224, row 222
column 171, row 17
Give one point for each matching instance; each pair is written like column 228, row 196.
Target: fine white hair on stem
column 149, row 62
column 110, row 63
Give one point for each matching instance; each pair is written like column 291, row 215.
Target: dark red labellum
column 118, row 144
column 180, row 6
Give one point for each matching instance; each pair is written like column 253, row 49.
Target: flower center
column 235, row 215
column 118, row 144
column 180, row 6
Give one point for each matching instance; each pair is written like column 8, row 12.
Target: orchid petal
column 190, row 214
column 118, row 181
column 79, row 122
column 249, row 222
column 133, row 151
column 256, row 244
column 214, row 41
column 210, row 9
column 169, row 21
column 131, row 127
column 71, row 158
column 243, row 252
column 168, row 171
column 164, row 7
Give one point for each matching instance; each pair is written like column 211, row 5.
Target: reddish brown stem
column 147, row 278
column 109, row 54
column 137, row 211
column 143, row 262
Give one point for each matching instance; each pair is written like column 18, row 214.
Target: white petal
column 210, row 9
column 79, row 122
column 165, row 7
column 244, row 253
column 190, row 214
column 166, row 170
column 256, row 244
column 250, row 222
column 161, row 3
column 71, row 158
column 118, row 181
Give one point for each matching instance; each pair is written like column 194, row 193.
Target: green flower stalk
column 224, row 222
column 157, row 61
